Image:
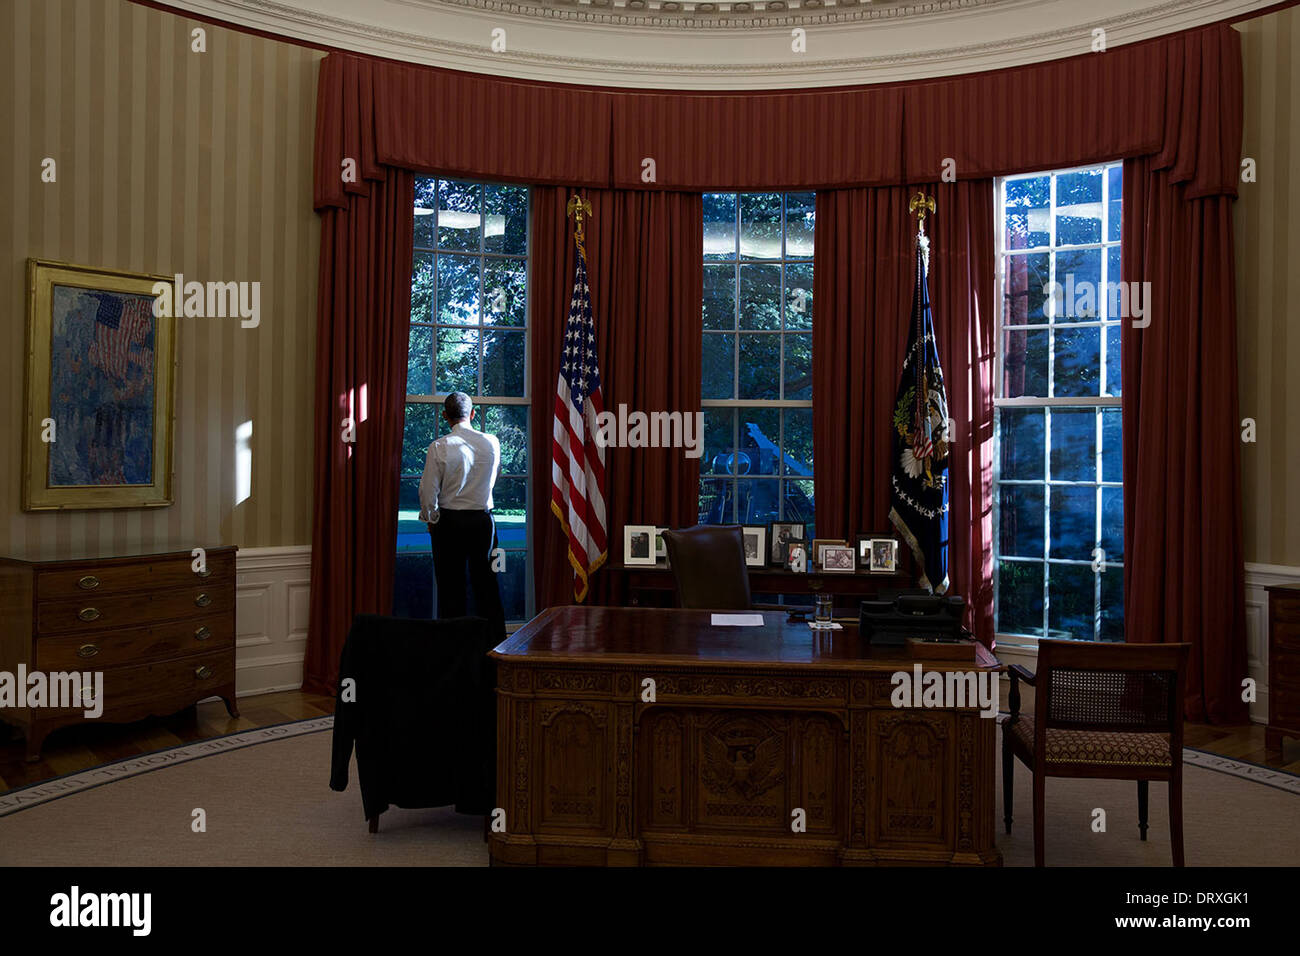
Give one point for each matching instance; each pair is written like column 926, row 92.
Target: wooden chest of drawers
column 162, row 633
column 1283, row 665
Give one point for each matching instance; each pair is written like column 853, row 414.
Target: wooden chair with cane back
column 1103, row 711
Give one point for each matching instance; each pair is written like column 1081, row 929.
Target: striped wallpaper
column 168, row 161
column 1268, row 287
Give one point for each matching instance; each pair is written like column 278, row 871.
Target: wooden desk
column 748, row 724
column 652, row 585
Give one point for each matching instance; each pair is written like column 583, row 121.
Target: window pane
column 419, row 361
column 760, row 226
column 760, row 297
column 1021, row 438
column 505, row 292
column 418, row 432
column 719, row 365
column 408, row 495
column 798, row 366
column 457, row 358
column 719, row 431
column 1074, row 522
column 510, row 424
column 1112, row 605
column 1025, row 288
column 1114, row 369
column 458, row 215
column 798, row 442
column 1112, row 523
column 1115, row 196
column 800, row 221
column 1020, row 597
column 1074, row 444
column 716, row 501
column 719, row 225
column 799, row 295
column 1078, row 274
column 1024, row 364
column 757, row 500
column 1072, row 601
column 720, row 296
column 1078, row 207
column 413, row 584
column 423, row 285
column 760, row 435
column 1020, row 520
column 458, row 290
column 509, row 499
column 797, row 504
column 1027, row 206
column 1112, row 445
column 505, row 225
column 503, row 363
column 426, row 211
column 760, row 366
column 1077, row 363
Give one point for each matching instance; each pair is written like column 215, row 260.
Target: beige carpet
column 269, row 805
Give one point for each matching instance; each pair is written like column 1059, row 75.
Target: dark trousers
column 462, row 565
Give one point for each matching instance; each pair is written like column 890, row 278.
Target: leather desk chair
column 1100, row 710
column 708, row 564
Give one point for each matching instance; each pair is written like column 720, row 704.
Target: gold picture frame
column 113, row 365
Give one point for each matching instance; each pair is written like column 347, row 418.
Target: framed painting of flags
column 97, row 426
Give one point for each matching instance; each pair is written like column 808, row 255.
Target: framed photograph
column 755, row 537
column 883, row 556
column 639, row 544
column 796, row 557
column 780, row 534
column 820, row 544
column 838, row 558
column 100, row 374
column 863, row 547
column 661, row 549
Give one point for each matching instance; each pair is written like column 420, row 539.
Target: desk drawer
column 135, row 645
column 1285, row 635
column 89, row 581
column 162, row 688
column 92, row 615
column 1285, row 607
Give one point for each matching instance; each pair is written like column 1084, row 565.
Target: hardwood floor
column 83, row 747
column 89, row 745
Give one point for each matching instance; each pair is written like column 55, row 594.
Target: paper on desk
column 737, row 620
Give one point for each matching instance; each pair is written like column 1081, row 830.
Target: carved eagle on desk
column 750, row 769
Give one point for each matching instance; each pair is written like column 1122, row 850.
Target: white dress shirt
column 459, row 472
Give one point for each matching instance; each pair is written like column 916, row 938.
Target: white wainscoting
column 1258, row 577
column 271, row 587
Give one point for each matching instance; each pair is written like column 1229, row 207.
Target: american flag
column 121, row 326
column 577, row 461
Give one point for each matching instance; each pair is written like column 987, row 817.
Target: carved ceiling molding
column 298, row 21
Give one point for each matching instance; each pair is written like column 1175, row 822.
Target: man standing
column 456, row 503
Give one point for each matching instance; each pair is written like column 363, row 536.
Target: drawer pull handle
column 202, row 633
column 87, row 650
column 203, row 600
column 89, row 614
column 203, row 672
column 815, row 584
column 206, row 572
column 88, row 583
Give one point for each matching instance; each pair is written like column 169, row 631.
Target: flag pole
column 578, row 210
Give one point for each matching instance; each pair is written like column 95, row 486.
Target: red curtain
column 1183, row 561
column 363, row 317
column 862, row 295
column 644, row 260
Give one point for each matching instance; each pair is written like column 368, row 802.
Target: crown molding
column 899, row 43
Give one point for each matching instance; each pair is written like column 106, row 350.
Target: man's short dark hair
column 459, row 407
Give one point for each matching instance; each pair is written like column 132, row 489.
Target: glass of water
column 822, row 613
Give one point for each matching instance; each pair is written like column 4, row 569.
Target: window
column 469, row 333
column 1058, row 483
column 757, row 370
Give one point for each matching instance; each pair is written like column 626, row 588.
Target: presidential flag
column 577, row 460
column 919, row 483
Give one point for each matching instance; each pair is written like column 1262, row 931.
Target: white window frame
column 1050, row 402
